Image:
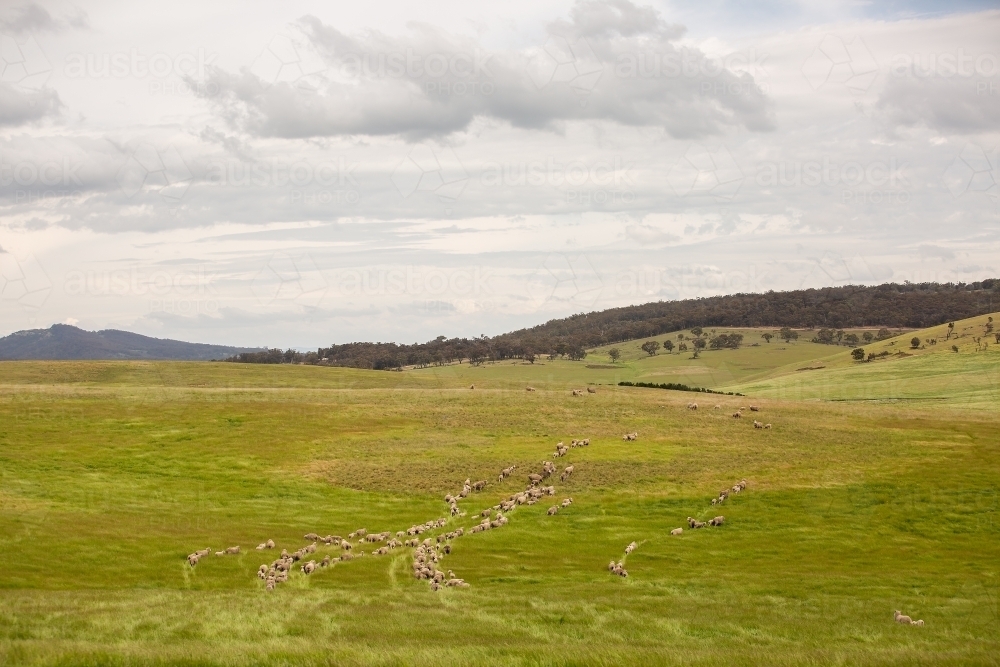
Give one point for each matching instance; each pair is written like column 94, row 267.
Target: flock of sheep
column 429, row 552
column 738, row 414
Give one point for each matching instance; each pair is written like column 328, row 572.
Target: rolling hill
column 62, row 341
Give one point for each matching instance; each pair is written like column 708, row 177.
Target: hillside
column 62, row 341
column 961, row 368
column 889, row 305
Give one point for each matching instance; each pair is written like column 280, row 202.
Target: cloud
column 611, row 60
column 962, row 105
column 18, row 106
column 31, row 17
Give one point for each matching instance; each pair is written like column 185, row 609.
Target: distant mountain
column 62, row 341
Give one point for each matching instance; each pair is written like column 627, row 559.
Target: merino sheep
column 577, row 392
column 902, row 618
column 566, row 473
column 591, row 390
column 717, row 521
column 920, row 622
column 757, row 424
column 534, row 479
column 718, row 407
column 567, row 502
column 193, row 559
column 479, row 486
column 261, row 546
column 692, row 406
column 737, row 415
column 676, row 531
column 309, row 567
column 529, row 389
column 312, row 537
column 326, row 561
column 472, row 386
column 630, row 548
column 767, row 426
column 754, row 408
column 553, row 510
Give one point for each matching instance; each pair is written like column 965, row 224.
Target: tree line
column 831, row 309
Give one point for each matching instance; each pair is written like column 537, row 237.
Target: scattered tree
column 883, row 333
column 696, row 331
column 650, row 347
column 614, row 354
column 915, row 342
column 851, row 339
column 699, row 344
column 858, row 353
column 732, row 341
column 562, row 348
column 840, row 335
column 680, row 336
column 529, row 356
column 787, row 334
column 668, row 345
column 868, row 336
column 954, row 348
column 767, row 336
column 683, row 347
column 577, row 353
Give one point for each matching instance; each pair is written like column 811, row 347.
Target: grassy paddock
column 111, row 472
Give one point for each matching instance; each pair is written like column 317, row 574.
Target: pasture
column 112, row 472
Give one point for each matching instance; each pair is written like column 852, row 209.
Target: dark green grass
column 109, row 475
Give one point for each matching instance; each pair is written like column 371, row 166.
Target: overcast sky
column 306, row 173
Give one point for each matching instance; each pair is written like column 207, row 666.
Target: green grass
column 110, row 473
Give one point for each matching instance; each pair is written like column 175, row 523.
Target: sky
column 300, row 174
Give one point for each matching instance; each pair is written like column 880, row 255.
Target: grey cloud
column 31, row 17
column 18, row 106
column 610, row 61
column 939, row 252
column 947, row 104
column 2, row 251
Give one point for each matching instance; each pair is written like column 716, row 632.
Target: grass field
column 111, row 472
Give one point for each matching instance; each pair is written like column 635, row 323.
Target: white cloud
column 279, row 180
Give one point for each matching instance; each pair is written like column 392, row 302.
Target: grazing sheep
column 346, row 546
column 717, row 521
column 623, row 572
column 754, row 408
column 262, row 572
column 232, row 551
column 346, row 556
column 767, row 426
column 743, row 409
column 312, row 537
column 920, row 622
column 567, row 502
column 554, row 509
column 566, row 473
column 902, row 618
column 472, row 386
column 611, row 565
column 714, row 501
column 529, row 389
column 718, row 407
column 692, row 406
column 326, row 561
column 676, row 531
column 309, row 567
column 591, row 390
column 479, row 486
column 459, row 583
column 737, row 415
column 220, row 553
column 631, row 436
column 534, row 479
column 193, row 559
column 630, row 548
column 261, row 546
column 757, row 424
column 694, row 523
